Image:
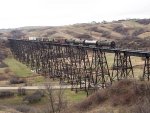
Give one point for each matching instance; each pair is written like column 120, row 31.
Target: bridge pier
column 146, row 72
column 99, row 70
column 122, row 67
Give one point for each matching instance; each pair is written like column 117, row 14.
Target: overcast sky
column 18, row 13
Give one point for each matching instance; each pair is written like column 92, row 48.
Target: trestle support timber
column 146, row 72
column 100, row 75
column 84, row 67
column 122, row 67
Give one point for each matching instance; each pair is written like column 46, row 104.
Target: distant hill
column 134, row 31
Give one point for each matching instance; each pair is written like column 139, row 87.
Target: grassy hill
column 125, row 96
column 135, row 31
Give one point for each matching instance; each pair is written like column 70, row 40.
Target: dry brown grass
column 7, row 70
column 125, row 94
column 5, row 74
column 110, row 30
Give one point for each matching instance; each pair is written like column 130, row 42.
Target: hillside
column 125, row 96
column 4, row 51
column 132, row 33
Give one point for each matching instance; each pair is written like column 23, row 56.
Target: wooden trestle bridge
column 81, row 63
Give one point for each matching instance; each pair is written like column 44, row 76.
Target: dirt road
column 35, row 87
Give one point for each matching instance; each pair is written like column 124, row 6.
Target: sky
column 20, row 13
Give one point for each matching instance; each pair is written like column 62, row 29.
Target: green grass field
column 69, row 95
column 18, row 68
column 75, row 97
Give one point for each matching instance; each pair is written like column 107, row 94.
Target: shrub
column 4, row 94
column 2, row 77
column 3, row 65
column 96, row 29
column 21, row 91
column 95, row 99
column 106, row 34
column 16, row 80
column 85, row 36
column 121, row 29
column 99, row 97
column 121, row 93
column 129, row 93
column 23, row 108
column 142, row 89
column 142, row 107
column 143, row 21
column 72, row 33
column 84, row 105
column 39, row 92
column 7, row 70
column 138, row 32
column 123, row 99
column 33, row 98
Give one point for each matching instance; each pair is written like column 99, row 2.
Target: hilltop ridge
column 131, row 33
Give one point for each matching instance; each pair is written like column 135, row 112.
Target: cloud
column 17, row 13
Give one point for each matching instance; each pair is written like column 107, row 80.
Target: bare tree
column 56, row 100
